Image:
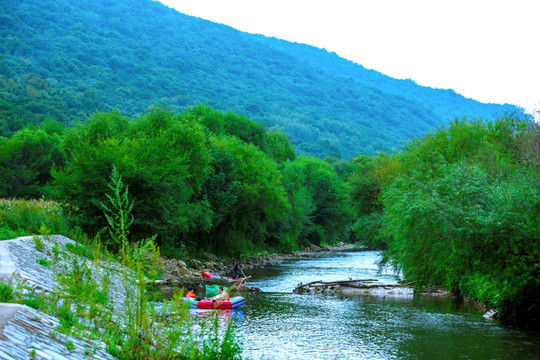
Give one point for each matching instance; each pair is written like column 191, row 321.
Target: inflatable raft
column 233, row 303
column 208, row 275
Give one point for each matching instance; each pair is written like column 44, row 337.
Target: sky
column 488, row 50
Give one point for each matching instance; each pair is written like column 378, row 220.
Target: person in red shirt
column 190, row 293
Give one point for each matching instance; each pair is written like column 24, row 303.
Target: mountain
column 66, row 59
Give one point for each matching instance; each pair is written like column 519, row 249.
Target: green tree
column 464, row 213
column 278, row 146
column 261, row 202
column 26, row 160
column 162, row 158
column 330, row 216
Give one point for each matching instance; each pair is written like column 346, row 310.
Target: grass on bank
column 26, row 217
column 84, row 304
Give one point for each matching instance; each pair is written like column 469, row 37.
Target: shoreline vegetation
column 457, row 209
column 96, row 304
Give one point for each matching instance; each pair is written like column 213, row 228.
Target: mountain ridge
column 66, row 60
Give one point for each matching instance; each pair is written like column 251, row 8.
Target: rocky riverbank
column 26, row 333
column 188, row 272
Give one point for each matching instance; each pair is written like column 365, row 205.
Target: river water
column 277, row 324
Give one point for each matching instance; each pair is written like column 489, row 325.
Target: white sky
column 488, row 50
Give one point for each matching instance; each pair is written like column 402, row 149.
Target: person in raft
column 221, row 296
column 190, row 294
column 236, row 273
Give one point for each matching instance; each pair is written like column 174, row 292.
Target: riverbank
column 184, row 273
column 83, row 305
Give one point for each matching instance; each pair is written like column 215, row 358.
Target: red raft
column 208, row 275
column 233, row 303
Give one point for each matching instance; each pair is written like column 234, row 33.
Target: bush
column 464, row 214
column 6, row 293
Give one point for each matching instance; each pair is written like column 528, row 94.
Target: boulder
column 491, row 314
column 184, row 271
column 314, row 247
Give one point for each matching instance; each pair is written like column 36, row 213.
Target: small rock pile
column 187, row 272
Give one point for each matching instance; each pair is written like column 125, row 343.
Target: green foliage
column 278, row 146
column 367, row 229
column 26, row 160
column 365, row 187
column 318, row 198
column 28, row 217
column 118, row 213
column 6, row 233
column 43, row 262
column 369, row 175
column 162, row 158
column 216, row 347
column 203, row 179
column 81, row 250
column 328, row 105
column 35, row 302
column 244, row 129
column 254, row 200
column 38, row 243
column 6, row 293
column 463, row 212
column 70, row 346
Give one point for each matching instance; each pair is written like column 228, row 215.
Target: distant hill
column 66, row 59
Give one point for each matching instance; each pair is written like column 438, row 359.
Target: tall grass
column 25, row 217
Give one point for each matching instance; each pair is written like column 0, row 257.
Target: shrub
column 6, row 292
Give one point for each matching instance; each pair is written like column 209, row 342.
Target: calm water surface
column 278, row 324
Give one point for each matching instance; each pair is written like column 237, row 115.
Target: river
column 277, row 324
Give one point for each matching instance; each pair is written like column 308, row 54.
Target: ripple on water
column 277, row 324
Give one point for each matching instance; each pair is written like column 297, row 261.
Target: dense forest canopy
column 202, row 180
column 460, row 208
column 65, row 60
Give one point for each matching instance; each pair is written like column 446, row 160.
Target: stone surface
column 24, row 330
column 39, row 278
column 7, row 266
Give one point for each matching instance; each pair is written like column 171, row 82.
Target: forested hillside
column 65, row 60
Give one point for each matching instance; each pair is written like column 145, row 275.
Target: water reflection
column 235, row 315
column 277, row 324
